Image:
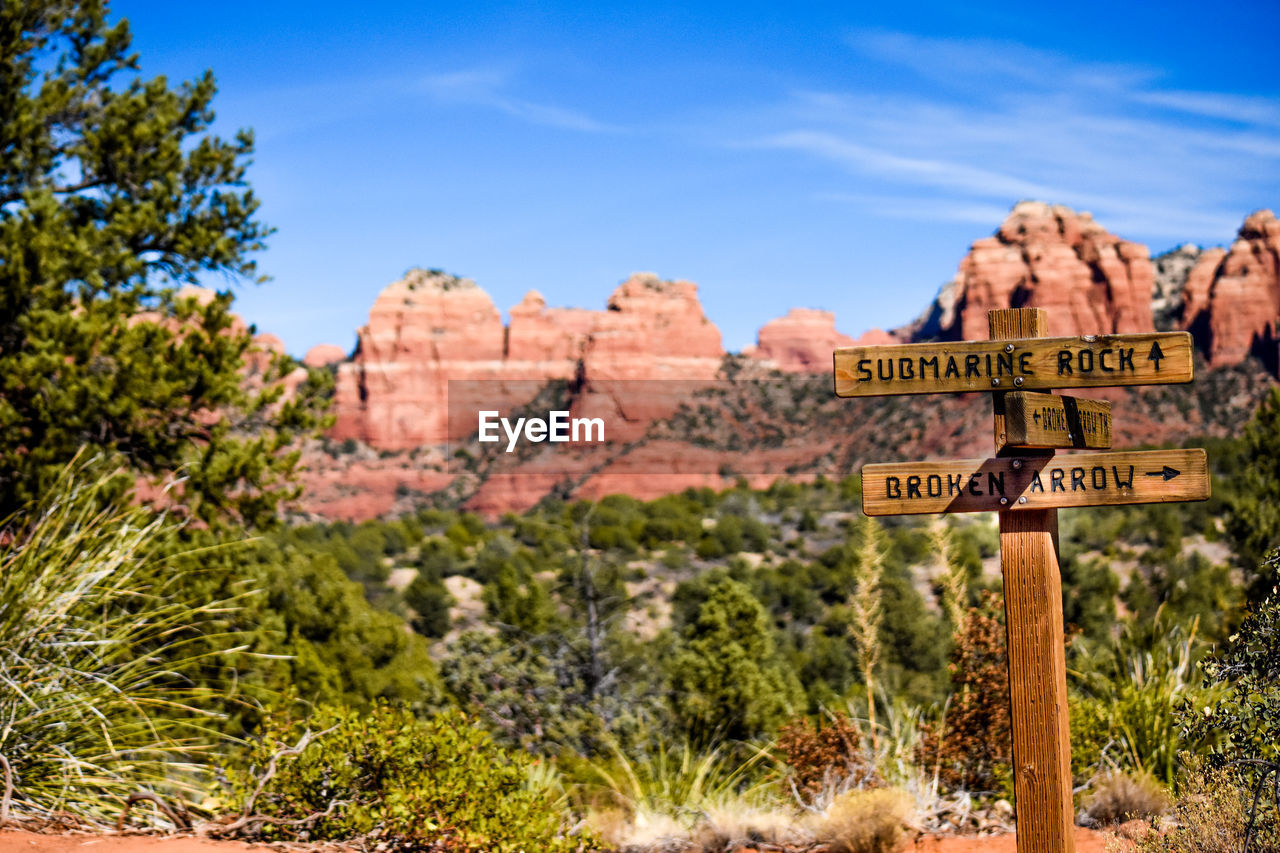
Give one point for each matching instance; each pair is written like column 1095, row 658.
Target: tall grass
column 94, row 635
column 685, row 798
column 1129, row 694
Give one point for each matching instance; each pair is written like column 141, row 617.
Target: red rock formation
column 541, row 334
column 1232, row 298
column 654, row 329
column 430, row 328
column 324, row 355
column 801, row 341
column 1050, row 257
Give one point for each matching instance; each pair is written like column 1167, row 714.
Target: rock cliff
column 1048, row 256
column 430, row 328
column 1232, row 296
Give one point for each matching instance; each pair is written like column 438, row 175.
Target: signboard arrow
column 1091, row 361
column 1155, row 355
column 1035, row 482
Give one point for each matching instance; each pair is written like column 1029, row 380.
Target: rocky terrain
column 769, row 411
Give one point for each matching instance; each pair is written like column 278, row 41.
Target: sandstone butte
column 1231, row 301
column 1048, row 256
column 430, row 328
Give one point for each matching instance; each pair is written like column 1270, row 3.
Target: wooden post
column 1036, row 649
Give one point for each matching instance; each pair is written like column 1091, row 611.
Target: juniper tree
column 113, row 193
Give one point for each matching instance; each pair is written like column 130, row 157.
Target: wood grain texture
column 1037, row 681
column 1035, row 642
column 1157, row 358
column 1033, row 419
column 1091, row 478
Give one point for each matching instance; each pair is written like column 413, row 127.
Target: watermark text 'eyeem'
column 557, row 427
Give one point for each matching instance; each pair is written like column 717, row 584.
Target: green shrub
column 439, row 784
column 430, row 601
column 1244, row 715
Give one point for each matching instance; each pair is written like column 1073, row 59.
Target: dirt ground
column 12, row 841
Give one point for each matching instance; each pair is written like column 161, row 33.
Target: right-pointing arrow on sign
column 1167, row 472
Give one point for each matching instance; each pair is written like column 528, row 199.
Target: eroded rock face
column 653, row 329
column 1232, row 297
column 423, row 330
column 1043, row 256
column 430, row 328
column 801, row 341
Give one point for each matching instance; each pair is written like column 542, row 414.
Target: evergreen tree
column 1253, row 518
column 113, row 194
column 727, row 678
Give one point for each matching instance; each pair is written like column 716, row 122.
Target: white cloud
column 977, row 125
column 485, row 88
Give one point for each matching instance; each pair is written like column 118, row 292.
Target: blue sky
column 837, row 156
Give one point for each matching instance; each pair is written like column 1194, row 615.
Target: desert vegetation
column 180, row 650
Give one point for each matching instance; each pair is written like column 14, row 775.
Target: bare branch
column 179, row 820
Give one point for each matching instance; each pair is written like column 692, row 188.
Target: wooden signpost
column 1026, row 483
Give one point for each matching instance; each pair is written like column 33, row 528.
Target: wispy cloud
column 958, row 128
column 486, row 88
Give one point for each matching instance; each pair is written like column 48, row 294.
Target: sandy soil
column 1087, row 841
column 12, row 841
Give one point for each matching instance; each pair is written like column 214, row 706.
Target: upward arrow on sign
column 1155, row 355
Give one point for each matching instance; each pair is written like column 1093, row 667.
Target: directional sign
column 1158, row 358
column 1035, row 482
column 1048, row 420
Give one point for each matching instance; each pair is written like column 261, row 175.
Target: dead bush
column 876, row 820
column 1212, row 816
column 826, row 756
column 1118, row 797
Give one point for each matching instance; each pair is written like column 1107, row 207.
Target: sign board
column 1035, row 482
column 1032, row 419
column 1092, row 361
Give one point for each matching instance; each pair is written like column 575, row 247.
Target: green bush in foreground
column 439, row 784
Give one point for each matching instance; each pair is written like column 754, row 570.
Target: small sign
column 1032, row 419
column 1092, row 361
column 1035, row 482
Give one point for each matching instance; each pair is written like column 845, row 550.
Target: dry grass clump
column 878, row 820
column 1119, row 796
column 1212, row 814
column 727, row 825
